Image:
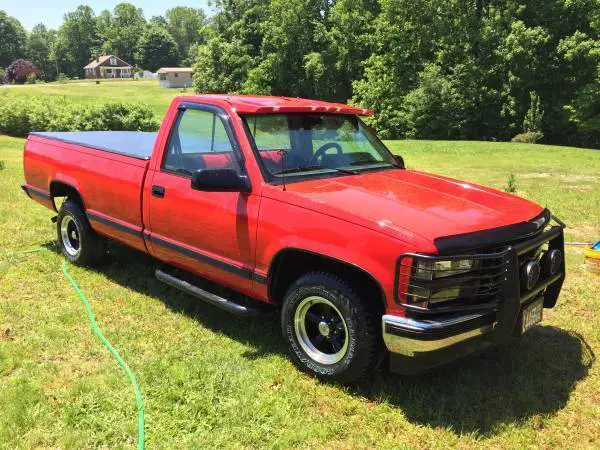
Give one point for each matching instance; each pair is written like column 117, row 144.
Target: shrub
column 530, row 137
column 535, row 114
column 31, row 78
column 19, row 71
column 2, row 74
column 19, row 116
column 13, row 116
column 511, row 184
column 62, row 78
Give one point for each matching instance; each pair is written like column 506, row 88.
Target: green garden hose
column 113, row 351
column 31, row 250
column 106, row 343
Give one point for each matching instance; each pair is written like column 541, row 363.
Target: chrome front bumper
column 409, row 337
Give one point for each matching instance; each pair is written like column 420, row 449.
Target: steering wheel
column 323, row 148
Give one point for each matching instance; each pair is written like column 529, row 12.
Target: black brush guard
column 490, row 302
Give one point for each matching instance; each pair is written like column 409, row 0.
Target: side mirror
column 219, row 180
column 400, row 160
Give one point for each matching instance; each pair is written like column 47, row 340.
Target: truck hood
column 409, row 205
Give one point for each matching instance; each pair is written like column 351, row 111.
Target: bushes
column 20, row 70
column 529, row 137
column 21, row 115
column 31, row 78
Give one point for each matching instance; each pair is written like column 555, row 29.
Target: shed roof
column 175, row 70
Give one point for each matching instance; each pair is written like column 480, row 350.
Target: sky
column 50, row 12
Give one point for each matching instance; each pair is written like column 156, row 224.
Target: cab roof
column 256, row 104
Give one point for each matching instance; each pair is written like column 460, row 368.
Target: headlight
column 430, row 270
column 425, row 281
column 420, row 288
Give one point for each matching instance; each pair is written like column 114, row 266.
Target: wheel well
column 59, row 189
column 289, row 265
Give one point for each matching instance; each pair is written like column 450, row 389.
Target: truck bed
column 136, row 144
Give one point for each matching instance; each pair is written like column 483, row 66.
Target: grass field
column 212, row 380
column 88, row 92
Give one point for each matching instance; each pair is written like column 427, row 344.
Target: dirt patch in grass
column 535, row 175
column 584, row 232
column 561, row 177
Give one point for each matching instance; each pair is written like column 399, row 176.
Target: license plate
column 531, row 315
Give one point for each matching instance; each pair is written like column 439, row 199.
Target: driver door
column 210, row 233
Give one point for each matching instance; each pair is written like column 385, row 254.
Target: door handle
column 158, row 191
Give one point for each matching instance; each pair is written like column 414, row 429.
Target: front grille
column 477, row 289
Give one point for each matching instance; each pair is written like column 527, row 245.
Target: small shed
column 175, row 77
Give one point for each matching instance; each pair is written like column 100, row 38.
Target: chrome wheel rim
column 70, row 236
column 321, row 330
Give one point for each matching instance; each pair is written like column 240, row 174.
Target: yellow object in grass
column 592, row 258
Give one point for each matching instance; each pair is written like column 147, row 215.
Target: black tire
column 362, row 329
column 80, row 244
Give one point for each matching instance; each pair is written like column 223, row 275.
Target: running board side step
column 209, row 297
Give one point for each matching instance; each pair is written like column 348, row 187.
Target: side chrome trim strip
column 231, row 268
column 114, row 224
column 30, row 190
column 244, row 273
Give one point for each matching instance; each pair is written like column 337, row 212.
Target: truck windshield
column 315, row 145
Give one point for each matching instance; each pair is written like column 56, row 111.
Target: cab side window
column 199, row 141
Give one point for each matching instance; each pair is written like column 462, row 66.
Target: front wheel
column 331, row 332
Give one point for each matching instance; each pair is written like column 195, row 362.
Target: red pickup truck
column 256, row 203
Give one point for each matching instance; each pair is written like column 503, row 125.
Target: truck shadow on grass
column 478, row 394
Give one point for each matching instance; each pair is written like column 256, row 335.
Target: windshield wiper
column 366, row 162
column 311, row 168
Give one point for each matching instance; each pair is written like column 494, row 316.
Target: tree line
column 125, row 32
column 452, row 69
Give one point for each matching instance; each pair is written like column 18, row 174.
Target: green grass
column 213, row 380
column 88, row 92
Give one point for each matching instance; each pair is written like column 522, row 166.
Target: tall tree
column 39, row 47
column 350, row 44
column 294, row 36
column 157, row 49
column 158, row 21
column 233, row 41
column 404, row 33
column 185, row 26
column 121, row 31
column 77, row 40
column 13, row 38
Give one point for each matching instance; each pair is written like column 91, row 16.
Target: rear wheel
column 331, row 332
column 79, row 243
